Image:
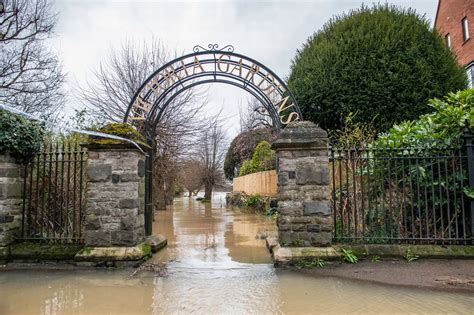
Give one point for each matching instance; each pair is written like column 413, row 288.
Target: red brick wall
column 449, row 20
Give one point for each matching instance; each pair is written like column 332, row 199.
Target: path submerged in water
column 216, row 265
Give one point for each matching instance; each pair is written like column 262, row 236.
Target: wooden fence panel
column 262, row 183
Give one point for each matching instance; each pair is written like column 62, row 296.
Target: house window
column 465, row 29
column 470, row 75
column 447, row 38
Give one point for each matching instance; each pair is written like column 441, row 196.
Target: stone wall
column 115, row 196
column 10, row 199
column 303, row 186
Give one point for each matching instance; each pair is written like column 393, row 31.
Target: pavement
column 439, row 274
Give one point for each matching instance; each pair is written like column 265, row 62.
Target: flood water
column 216, row 266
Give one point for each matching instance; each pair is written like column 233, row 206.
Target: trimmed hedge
column 380, row 63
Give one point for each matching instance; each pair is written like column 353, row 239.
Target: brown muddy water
column 217, row 266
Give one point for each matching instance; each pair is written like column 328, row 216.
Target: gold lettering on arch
column 291, row 117
column 267, row 83
column 239, row 67
column 183, row 66
column 273, row 89
column 281, row 108
column 171, row 75
column 264, row 79
column 282, row 103
column 153, row 89
column 252, row 71
column 219, row 60
column 140, row 108
column 197, row 64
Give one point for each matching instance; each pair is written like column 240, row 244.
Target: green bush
column 263, row 159
column 383, row 63
column 438, row 135
column 411, row 177
column 243, row 147
column 443, row 127
column 19, row 136
column 252, row 200
column 247, row 168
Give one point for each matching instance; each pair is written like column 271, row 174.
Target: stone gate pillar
column 115, row 196
column 303, row 186
column 11, row 180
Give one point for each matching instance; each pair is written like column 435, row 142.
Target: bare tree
column 211, row 151
column 119, row 77
column 112, row 88
column 254, row 116
column 31, row 77
column 190, row 176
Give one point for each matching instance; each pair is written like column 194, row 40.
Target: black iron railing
column 404, row 194
column 54, row 194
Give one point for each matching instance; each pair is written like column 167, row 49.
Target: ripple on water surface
column 217, row 266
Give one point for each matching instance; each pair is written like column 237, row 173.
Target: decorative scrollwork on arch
column 213, row 47
column 212, row 65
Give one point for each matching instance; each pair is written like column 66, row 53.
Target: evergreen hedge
column 381, row 63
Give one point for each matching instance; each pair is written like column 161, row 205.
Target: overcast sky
column 269, row 31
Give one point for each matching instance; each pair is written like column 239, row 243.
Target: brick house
column 455, row 22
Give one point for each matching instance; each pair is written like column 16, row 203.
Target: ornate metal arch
column 211, row 65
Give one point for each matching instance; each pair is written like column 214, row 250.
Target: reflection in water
column 217, row 266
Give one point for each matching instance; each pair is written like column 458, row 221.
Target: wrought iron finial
column 213, row 47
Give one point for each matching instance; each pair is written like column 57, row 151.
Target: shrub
column 438, row 135
column 382, row 62
column 247, row 168
column 353, row 133
column 19, row 136
column 443, row 127
column 253, row 200
column 263, row 159
column 242, row 148
column 417, row 181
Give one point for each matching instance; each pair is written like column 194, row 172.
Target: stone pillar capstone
column 11, row 181
column 303, row 186
column 115, row 196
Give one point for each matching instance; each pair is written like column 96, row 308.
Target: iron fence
column 404, row 194
column 54, row 194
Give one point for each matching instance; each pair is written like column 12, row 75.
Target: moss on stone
column 4, row 252
column 123, row 130
column 297, row 243
column 86, row 251
column 146, row 249
column 424, row 251
column 291, row 255
column 38, row 251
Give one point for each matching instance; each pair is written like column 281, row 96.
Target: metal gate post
column 149, row 192
column 470, row 168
